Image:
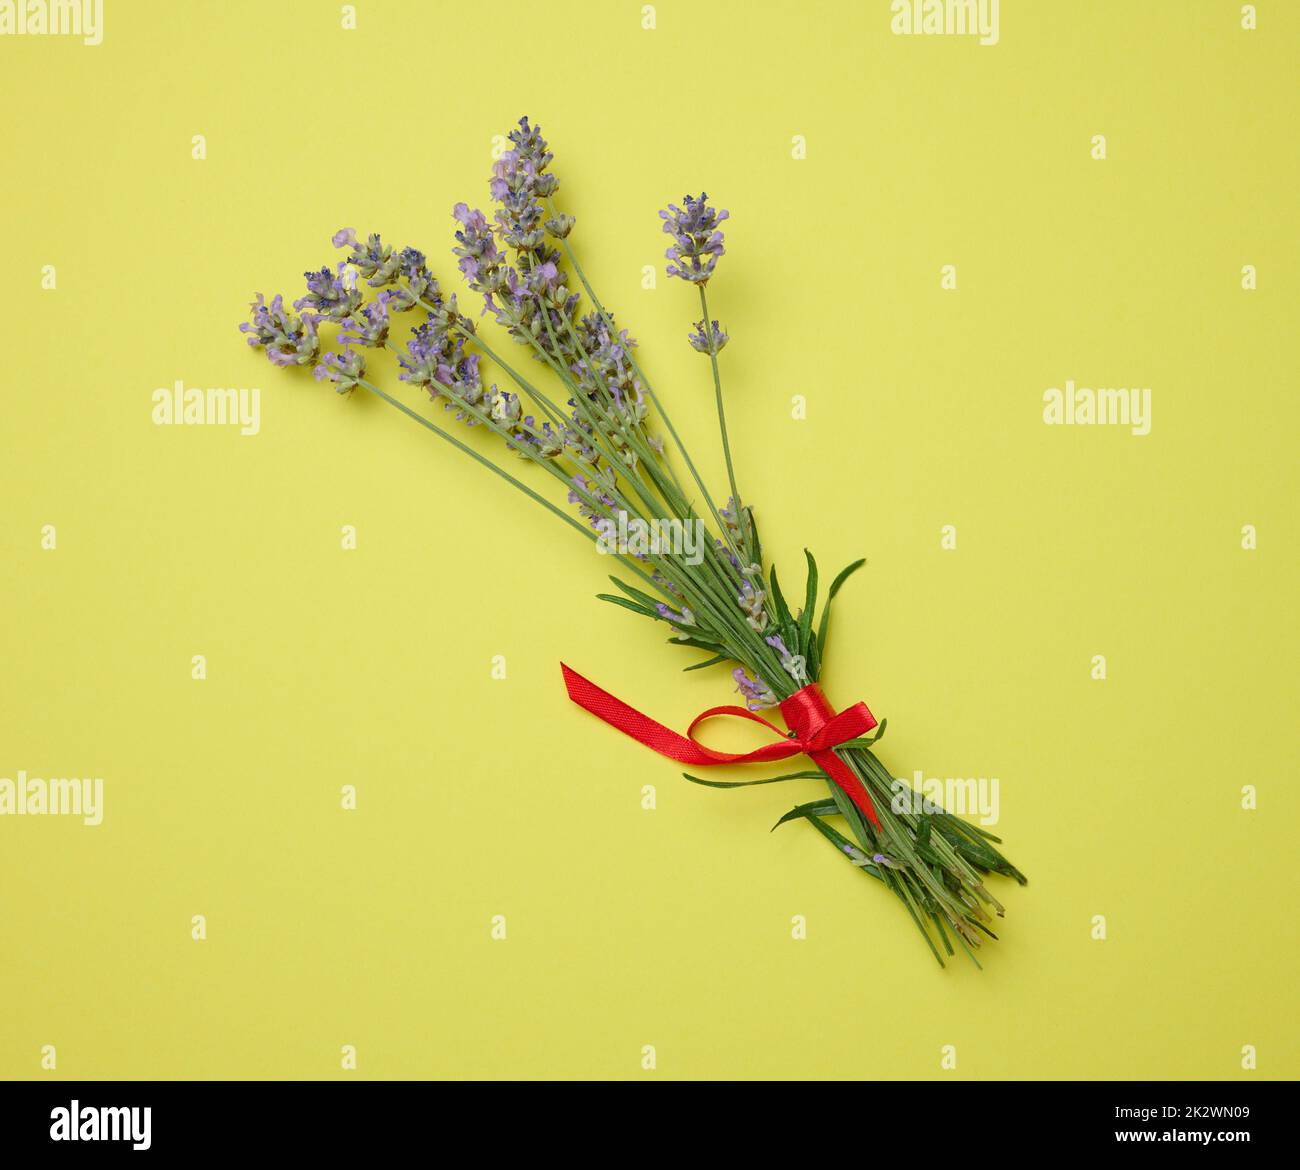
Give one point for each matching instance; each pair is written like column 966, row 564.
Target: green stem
column 742, row 517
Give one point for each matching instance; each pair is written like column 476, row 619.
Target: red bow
column 815, row 727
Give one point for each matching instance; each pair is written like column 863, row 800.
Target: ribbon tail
column 664, row 740
column 844, row 776
column 629, row 720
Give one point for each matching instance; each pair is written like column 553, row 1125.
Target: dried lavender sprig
column 697, row 239
column 697, row 246
column 288, row 340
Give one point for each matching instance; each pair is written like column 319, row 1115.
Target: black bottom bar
column 334, row 1118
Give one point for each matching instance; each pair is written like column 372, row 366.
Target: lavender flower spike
column 697, row 241
column 758, row 695
column 708, row 340
column 288, row 340
column 685, row 618
column 476, row 250
column 344, row 369
column 374, row 259
column 369, row 326
column 334, row 295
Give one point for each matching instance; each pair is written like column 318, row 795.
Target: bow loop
column 771, row 752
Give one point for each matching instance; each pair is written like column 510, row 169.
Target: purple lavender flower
column 479, row 260
column 385, row 266
column 559, row 226
column 724, row 550
column 750, row 599
column 519, row 183
column 545, row 440
column 374, row 259
column 344, row 369
column 609, row 361
column 429, row 349
column 543, row 280
column 794, row 666
column 708, row 340
column 857, row 857
column 534, row 154
column 778, row 645
column 457, row 381
column 525, row 437
column 685, row 618
column 758, row 694
column 697, row 241
column 732, row 522
column 436, row 359
column 669, row 587
column 520, row 216
column 578, row 440
column 504, row 408
column 531, row 298
column 333, row 295
column 421, row 285
column 597, row 488
column 509, row 302
column 593, row 489
column 369, row 326
column 288, row 340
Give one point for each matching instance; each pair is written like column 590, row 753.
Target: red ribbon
column 815, row 730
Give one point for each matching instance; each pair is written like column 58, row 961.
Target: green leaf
column 707, row 662
column 830, row 596
column 698, row 643
column 757, row 550
column 814, row 661
column 783, row 617
column 866, row 741
column 820, row 808
column 636, row 594
column 623, row 601
column 750, row 783
column 809, row 605
column 943, row 934
column 983, row 857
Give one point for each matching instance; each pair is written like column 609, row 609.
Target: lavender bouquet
column 585, row 416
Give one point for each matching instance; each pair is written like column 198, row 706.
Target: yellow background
column 477, row 797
